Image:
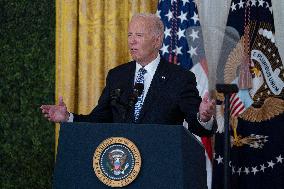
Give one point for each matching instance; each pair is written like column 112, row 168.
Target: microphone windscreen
column 138, row 87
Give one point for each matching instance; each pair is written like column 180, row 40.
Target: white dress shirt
column 148, row 76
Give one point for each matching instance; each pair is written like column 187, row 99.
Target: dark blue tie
column 139, row 103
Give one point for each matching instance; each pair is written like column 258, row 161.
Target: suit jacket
column 171, row 98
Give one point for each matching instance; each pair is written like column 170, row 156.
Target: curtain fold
column 91, row 38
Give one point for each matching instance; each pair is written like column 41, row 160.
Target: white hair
column 157, row 26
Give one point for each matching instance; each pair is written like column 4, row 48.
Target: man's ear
column 159, row 41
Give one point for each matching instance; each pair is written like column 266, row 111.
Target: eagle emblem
column 264, row 100
column 117, row 161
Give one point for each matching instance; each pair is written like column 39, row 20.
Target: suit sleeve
column 102, row 112
column 189, row 105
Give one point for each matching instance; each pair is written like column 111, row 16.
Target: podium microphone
column 137, row 91
column 115, row 96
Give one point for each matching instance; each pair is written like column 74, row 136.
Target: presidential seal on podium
column 117, row 161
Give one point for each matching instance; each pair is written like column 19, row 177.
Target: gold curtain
column 91, row 38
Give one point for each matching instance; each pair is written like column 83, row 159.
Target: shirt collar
column 151, row 67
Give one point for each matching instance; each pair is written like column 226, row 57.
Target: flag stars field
column 261, row 3
column 233, row 7
column 195, row 18
column 251, row 169
column 271, row 164
column 194, row 34
column 167, row 32
column 279, row 159
column 180, row 33
column 182, row 17
column 164, row 49
column 239, row 170
column 262, row 167
column 192, row 51
column 246, row 171
column 241, row 4
column 254, row 170
column 219, row 159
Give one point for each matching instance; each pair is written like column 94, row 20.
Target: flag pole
column 227, row 90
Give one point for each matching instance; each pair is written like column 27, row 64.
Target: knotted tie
column 139, row 103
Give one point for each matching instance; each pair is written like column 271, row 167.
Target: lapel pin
column 163, row 77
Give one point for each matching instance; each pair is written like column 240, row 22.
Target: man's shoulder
column 123, row 67
column 122, row 71
column 177, row 69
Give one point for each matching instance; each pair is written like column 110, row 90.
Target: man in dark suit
column 168, row 94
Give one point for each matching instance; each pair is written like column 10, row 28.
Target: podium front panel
column 171, row 157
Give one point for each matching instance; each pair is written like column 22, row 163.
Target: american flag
column 181, row 19
column 183, row 41
column 236, row 105
column 183, row 45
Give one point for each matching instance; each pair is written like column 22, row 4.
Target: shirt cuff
column 71, row 117
column 206, row 125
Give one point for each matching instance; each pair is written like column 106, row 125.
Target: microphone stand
column 227, row 90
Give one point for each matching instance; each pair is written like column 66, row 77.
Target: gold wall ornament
column 270, row 108
column 117, row 162
column 266, row 104
column 234, row 61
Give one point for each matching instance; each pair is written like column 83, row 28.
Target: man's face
column 142, row 43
